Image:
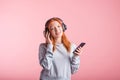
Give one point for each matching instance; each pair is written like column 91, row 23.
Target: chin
column 58, row 36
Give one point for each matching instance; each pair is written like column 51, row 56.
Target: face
column 55, row 29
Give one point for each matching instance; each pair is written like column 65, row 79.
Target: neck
column 58, row 40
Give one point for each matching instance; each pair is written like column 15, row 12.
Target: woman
column 56, row 55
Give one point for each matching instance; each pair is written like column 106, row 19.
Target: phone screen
column 80, row 45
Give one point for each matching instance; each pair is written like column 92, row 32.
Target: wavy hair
column 65, row 40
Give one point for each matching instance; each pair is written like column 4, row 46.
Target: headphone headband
column 56, row 19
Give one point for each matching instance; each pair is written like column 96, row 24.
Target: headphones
column 56, row 19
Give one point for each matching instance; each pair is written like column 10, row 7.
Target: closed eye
column 51, row 28
column 58, row 26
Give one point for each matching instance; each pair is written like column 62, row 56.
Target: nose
column 56, row 29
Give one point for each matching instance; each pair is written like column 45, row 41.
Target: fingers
column 78, row 51
column 47, row 36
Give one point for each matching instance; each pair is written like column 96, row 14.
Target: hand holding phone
column 80, row 45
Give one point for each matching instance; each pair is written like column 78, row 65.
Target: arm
column 75, row 63
column 75, row 60
column 45, row 56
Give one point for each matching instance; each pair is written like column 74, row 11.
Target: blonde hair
column 65, row 41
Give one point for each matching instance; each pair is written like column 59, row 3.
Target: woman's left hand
column 78, row 51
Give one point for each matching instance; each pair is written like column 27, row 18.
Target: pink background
column 96, row 22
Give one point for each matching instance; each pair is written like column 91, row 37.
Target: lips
column 57, row 33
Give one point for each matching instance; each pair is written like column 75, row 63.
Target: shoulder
column 42, row 45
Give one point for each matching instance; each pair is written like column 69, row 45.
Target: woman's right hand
column 47, row 37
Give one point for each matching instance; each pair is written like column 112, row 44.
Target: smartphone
column 80, row 45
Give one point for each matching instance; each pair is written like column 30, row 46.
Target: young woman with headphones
column 56, row 55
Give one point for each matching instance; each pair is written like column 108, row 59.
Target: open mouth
column 58, row 33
